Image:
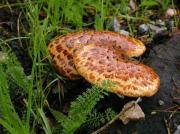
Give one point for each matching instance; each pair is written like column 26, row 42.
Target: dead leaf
column 131, row 111
column 132, row 4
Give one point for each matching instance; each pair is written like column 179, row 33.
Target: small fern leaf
column 58, row 116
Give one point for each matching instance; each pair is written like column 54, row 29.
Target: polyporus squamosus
column 102, row 55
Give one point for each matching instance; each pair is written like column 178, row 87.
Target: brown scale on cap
column 132, row 79
column 62, row 48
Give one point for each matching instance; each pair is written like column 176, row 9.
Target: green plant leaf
column 149, row 3
column 58, row 116
column 46, row 126
column 9, row 118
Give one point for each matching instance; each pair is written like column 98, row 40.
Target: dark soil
column 8, row 30
column 164, row 58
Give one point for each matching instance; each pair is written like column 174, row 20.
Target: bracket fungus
column 104, row 55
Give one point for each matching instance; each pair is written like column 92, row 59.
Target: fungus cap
column 131, row 78
column 62, row 48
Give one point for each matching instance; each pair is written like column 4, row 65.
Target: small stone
column 160, row 23
column 116, row 25
column 124, row 32
column 171, row 12
column 161, row 30
column 177, row 131
column 143, row 28
column 153, row 112
column 157, row 30
column 153, row 27
column 153, row 22
column 161, row 103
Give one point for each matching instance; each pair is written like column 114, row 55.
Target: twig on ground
column 115, row 118
column 18, row 32
column 169, row 109
column 167, row 126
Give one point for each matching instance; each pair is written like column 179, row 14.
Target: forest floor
column 162, row 111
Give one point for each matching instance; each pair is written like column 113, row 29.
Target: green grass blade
column 46, row 126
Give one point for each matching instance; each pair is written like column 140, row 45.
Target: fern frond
column 16, row 72
column 46, row 125
column 83, row 105
column 58, row 116
column 9, row 118
column 96, row 119
column 81, row 108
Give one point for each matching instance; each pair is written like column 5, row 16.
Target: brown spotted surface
column 62, row 48
column 131, row 78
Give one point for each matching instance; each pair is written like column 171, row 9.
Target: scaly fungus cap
column 62, row 48
column 131, row 78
